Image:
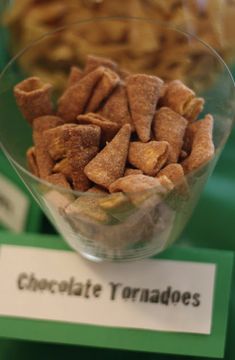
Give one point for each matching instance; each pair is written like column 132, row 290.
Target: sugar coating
column 33, row 97
column 149, row 157
column 109, row 164
column 108, row 128
column 170, row 126
column 143, row 94
column 73, row 101
column 116, row 107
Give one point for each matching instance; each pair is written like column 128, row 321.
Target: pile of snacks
column 114, row 131
column 140, row 47
column 123, row 140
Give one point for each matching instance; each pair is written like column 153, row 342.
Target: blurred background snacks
column 155, row 52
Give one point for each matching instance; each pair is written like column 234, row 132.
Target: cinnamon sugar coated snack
column 114, row 138
column 89, row 144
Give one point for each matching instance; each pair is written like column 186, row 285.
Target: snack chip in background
column 140, row 48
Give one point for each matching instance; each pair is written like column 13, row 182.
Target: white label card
column 14, row 205
column 162, row 295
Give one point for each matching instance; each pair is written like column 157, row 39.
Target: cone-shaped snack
column 74, row 76
column 143, row 94
column 32, row 162
column 182, row 100
column 116, row 107
column 44, row 123
column 40, row 126
column 202, row 146
column 105, row 86
column 193, row 108
column 43, row 158
column 170, row 126
column 81, row 148
column 189, row 135
column 109, row 163
column 130, row 171
column 108, row 128
column 134, row 184
column 33, row 97
column 59, row 180
column 57, row 139
column 174, row 172
column 78, row 144
column 95, row 61
column 149, row 157
column 74, row 100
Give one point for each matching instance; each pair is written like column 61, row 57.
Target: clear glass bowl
column 148, row 222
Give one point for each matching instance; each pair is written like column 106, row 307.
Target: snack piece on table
column 108, row 128
column 182, row 100
column 143, row 93
column 33, row 97
column 202, row 145
column 149, row 157
column 109, row 164
column 170, row 126
column 75, row 98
